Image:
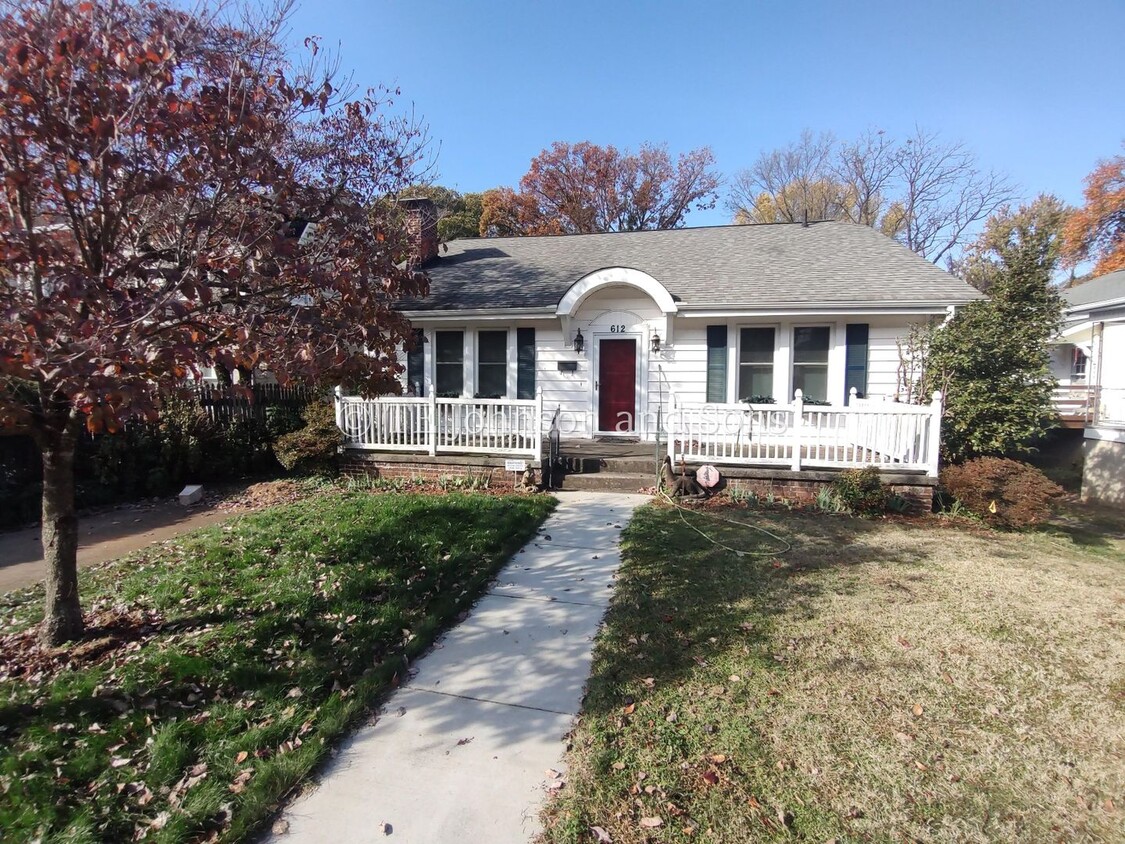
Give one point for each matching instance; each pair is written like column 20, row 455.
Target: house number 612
column 617, row 329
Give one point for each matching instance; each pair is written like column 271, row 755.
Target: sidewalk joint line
column 542, row 600
column 487, row 700
column 545, row 545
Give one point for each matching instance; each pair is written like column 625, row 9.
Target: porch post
column 538, row 423
column 431, row 411
column 338, row 395
column 673, row 427
column 798, row 420
column 935, row 435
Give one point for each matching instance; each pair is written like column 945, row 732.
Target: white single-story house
column 666, row 334
column 1089, row 361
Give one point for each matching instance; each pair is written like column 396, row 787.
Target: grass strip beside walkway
column 222, row 665
column 883, row 681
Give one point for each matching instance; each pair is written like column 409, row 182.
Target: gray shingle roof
column 1100, row 289
column 757, row 266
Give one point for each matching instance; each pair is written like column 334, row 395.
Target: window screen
column 492, row 364
column 755, row 364
column 810, row 361
column 450, row 363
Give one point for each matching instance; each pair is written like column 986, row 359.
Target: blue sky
column 1033, row 87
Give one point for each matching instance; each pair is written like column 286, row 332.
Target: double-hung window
column 449, row 363
column 492, row 364
column 1078, row 365
column 755, row 364
column 810, row 361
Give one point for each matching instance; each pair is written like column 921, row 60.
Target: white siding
column 883, row 356
column 681, row 365
column 567, row 392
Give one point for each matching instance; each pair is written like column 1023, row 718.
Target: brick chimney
column 421, row 227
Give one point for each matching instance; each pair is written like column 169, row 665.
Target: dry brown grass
column 897, row 681
column 1014, row 651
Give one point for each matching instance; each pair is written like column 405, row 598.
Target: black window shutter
column 416, row 365
column 525, row 363
column 855, row 371
column 717, row 363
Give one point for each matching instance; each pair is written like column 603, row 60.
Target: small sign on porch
column 515, row 465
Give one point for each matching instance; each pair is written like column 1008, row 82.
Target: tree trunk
column 62, row 618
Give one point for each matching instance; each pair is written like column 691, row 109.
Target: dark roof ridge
column 652, row 231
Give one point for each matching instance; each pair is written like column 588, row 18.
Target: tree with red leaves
column 585, row 188
column 1097, row 229
column 176, row 194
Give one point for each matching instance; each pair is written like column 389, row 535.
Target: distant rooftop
column 1100, row 289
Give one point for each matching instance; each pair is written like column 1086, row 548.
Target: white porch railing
column 1110, row 407
column 865, row 433
column 442, row 426
column 1077, row 402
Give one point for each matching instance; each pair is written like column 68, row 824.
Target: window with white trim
column 1078, row 365
column 755, row 364
column 449, row 365
column 810, row 361
column 492, row 364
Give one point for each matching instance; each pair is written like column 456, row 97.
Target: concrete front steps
column 607, row 482
column 607, row 466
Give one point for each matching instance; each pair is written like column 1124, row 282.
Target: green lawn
column 223, row 664
column 881, row 681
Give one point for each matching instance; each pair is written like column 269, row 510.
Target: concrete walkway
column 461, row 753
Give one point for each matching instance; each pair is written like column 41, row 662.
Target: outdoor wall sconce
column 655, row 344
column 579, row 341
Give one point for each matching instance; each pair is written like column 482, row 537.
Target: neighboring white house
column 1089, row 361
column 618, row 335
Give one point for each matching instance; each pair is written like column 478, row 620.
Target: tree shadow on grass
column 682, row 600
column 272, row 626
column 1087, row 524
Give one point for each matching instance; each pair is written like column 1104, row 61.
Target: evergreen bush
column 861, row 491
column 314, row 448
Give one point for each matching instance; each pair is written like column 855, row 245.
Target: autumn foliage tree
column 1097, row 229
column 927, row 193
column 584, row 188
column 177, row 194
column 1037, row 226
column 458, row 213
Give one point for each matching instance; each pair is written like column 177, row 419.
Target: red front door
column 617, row 385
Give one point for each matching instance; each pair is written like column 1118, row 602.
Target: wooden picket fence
column 224, row 404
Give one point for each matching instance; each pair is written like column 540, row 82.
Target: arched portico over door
column 620, row 312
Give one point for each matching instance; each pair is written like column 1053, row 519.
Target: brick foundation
column 799, row 487
column 803, row 487
column 366, row 464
